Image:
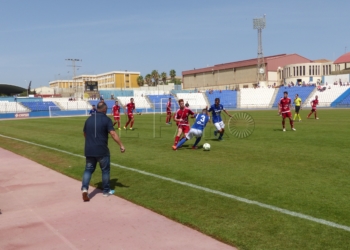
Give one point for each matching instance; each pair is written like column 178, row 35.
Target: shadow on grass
column 277, row 129
column 113, row 184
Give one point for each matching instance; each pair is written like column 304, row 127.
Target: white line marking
column 234, row 197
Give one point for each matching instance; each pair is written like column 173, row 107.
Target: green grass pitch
column 306, row 171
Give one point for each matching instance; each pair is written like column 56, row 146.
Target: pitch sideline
column 234, row 197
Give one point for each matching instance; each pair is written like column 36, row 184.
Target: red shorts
column 130, row 116
column 185, row 129
column 313, row 109
column 287, row 114
column 168, row 112
column 116, row 118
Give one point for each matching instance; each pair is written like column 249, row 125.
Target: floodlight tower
column 73, row 64
column 259, row 24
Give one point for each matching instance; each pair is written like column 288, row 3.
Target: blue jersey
column 92, row 111
column 216, row 112
column 201, row 121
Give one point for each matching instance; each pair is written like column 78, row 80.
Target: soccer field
column 271, row 190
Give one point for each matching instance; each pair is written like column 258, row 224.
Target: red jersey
column 131, row 107
column 116, row 110
column 314, row 103
column 285, row 104
column 168, row 107
column 183, row 114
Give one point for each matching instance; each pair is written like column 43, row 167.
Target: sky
column 37, row 36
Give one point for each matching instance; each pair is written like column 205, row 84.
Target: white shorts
column 194, row 133
column 219, row 125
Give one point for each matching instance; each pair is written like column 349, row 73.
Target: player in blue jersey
column 93, row 110
column 216, row 109
column 196, row 129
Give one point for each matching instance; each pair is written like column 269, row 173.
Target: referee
column 297, row 103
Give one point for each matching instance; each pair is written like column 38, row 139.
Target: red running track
column 43, row 209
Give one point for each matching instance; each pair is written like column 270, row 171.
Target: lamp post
column 259, row 24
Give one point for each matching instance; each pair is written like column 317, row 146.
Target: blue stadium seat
column 159, row 100
column 40, row 106
column 303, row 93
column 228, row 98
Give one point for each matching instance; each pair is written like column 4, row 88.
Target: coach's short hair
column 285, row 92
column 181, row 100
column 101, row 106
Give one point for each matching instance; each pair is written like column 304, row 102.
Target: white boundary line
column 234, row 197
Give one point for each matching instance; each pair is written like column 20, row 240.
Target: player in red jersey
column 168, row 112
column 279, row 107
column 129, row 110
column 181, row 118
column 116, row 114
column 314, row 104
column 285, row 104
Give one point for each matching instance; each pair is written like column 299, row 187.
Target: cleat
column 316, row 118
column 284, row 130
column 119, row 129
column 85, row 195
column 220, row 138
column 299, row 120
column 131, row 128
column 294, row 129
column 215, row 133
column 109, row 193
column 194, row 147
column 174, row 147
column 124, row 127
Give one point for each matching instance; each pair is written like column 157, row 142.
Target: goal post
column 163, row 102
column 54, row 111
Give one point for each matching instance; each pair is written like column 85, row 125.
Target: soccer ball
column 206, row 146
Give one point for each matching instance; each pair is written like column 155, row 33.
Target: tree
column 148, row 79
column 155, row 77
column 163, row 76
column 140, row 81
column 172, row 74
column 177, row 81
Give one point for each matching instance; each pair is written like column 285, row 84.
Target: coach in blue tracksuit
column 96, row 130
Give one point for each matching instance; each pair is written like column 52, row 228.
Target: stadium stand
column 303, row 92
column 228, row 98
column 256, row 97
column 159, row 102
column 175, row 92
column 12, row 107
column 65, row 104
column 107, row 94
column 343, row 100
column 109, row 103
column 195, row 100
column 328, row 96
column 40, row 106
column 140, row 102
